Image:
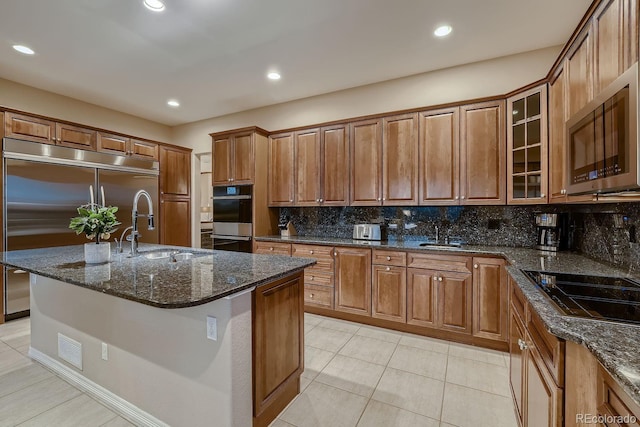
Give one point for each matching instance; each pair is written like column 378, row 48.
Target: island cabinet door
column 278, row 345
column 353, row 280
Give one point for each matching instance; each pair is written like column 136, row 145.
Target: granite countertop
column 615, row 345
column 208, row 276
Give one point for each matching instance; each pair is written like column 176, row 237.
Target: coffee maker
column 553, row 231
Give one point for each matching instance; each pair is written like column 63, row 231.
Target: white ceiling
column 213, row 55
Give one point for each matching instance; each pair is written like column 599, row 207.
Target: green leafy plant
column 97, row 222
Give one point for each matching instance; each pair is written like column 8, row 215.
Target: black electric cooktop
column 613, row 299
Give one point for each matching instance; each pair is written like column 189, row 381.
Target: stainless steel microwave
column 602, row 140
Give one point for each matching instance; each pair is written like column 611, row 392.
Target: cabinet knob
column 271, row 248
column 542, row 195
column 439, row 279
column 378, row 198
column 311, row 252
column 457, row 197
column 321, row 200
column 388, row 268
column 335, row 254
column 291, row 200
column 388, row 258
column 475, row 265
column 312, row 278
column 522, row 344
column 229, row 179
column 311, row 296
column 564, row 191
column 384, row 198
column 462, row 197
column 318, row 200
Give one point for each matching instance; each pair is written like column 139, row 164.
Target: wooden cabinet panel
column 518, row 302
column 454, row 301
column 557, row 118
column 630, row 32
column 366, row 159
column 608, row 38
column 75, row 137
column 353, row 280
column 335, row 166
column 439, row 157
column 613, row 401
column 175, row 171
column 320, row 296
column 482, row 153
column 389, row 293
column 400, row 160
column 144, row 149
column 175, row 222
column 421, row 297
column 29, row 128
column 272, row 248
column 550, row 347
column 439, row 262
column 115, row 144
column 517, row 365
column 278, row 343
column 396, row 258
column 312, row 251
column 307, row 169
column 317, row 277
column 243, row 159
column 281, row 170
column 490, row 299
column 544, row 397
column 579, row 75
column 221, row 161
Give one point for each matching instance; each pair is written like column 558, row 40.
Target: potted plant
column 96, row 222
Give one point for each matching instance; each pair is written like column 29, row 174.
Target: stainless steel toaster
column 367, row 232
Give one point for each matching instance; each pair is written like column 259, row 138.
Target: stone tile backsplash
column 605, row 232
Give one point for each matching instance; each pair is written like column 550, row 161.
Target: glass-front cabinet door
column 527, row 147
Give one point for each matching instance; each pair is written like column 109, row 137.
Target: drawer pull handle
column 388, row 258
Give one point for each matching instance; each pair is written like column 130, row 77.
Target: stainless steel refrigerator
column 44, row 185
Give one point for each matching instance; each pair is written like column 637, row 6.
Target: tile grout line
column 53, row 407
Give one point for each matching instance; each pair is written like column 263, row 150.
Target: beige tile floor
column 355, row 375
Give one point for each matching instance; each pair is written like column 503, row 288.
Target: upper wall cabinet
column 307, row 167
column 334, row 157
column 482, row 154
column 527, row 147
column 281, row 170
column 439, row 164
column 579, row 73
column 233, row 158
column 125, row 146
column 400, row 160
column 366, row 161
column 175, row 172
column 29, row 128
column 175, row 191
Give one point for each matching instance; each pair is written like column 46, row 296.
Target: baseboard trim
column 114, row 402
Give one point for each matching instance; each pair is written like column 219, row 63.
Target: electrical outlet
column 212, row 328
column 105, row 351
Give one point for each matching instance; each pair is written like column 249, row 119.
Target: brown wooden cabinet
column 271, row 248
column 439, row 157
column 608, row 43
column 334, row 157
column 557, row 118
column 233, row 158
column 490, row 299
column 175, row 196
column 125, row 146
column 527, row 160
column 307, row 155
column 353, row 280
column 281, row 170
column 319, row 278
column 75, row 137
column 366, row 162
column 579, row 69
column 482, row 154
column 400, row 160
column 421, row 297
column 29, row 128
column 613, row 401
column 389, row 293
column 278, row 346
column 536, row 368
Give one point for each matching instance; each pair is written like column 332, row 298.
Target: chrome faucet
column 134, row 220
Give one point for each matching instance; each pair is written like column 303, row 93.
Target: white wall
column 29, row 99
column 477, row 80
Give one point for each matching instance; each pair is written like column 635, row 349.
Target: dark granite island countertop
column 208, row 276
column 615, row 345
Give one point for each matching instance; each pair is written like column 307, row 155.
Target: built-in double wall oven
column 232, row 218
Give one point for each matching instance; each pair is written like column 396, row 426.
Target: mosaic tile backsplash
column 605, row 232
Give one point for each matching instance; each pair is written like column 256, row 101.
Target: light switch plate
column 212, row 328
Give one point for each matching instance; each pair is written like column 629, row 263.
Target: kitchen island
column 212, row 338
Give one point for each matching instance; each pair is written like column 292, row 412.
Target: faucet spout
column 134, row 219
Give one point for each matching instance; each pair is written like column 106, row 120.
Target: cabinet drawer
column 312, row 251
column 517, row 299
column 272, row 248
column 550, row 347
column 314, row 277
column 389, row 258
column 321, row 296
column 459, row 264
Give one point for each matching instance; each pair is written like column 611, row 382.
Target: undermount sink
column 173, row 255
column 182, row 256
column 157, row 255
column 434, row 245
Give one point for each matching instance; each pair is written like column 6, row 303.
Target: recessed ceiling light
column 443, row 30
column 155, row 5
column 23, row 49
column 273, row 75
column 173, row 103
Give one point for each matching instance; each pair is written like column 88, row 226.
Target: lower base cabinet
column 389, row 293
column 353, row 280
